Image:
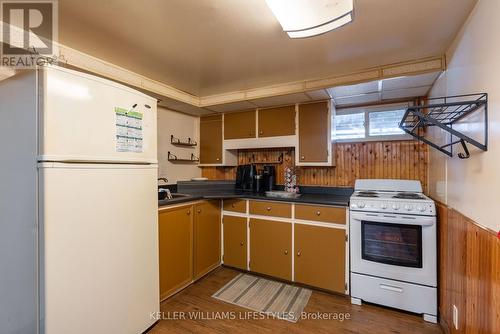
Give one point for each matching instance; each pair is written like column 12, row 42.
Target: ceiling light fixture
column 306, row 18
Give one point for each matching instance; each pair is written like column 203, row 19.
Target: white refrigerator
column 78, row 205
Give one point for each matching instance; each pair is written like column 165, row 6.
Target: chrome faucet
column 169, row 194
column 164, row 179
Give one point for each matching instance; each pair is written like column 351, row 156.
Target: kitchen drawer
column 274, row 209
column 406, row 296
column 235, row 205
column 327, row 214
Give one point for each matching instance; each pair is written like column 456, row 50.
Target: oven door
column 399, row 247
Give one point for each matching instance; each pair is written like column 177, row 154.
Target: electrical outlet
column 455, row 317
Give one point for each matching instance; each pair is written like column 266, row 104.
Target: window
column 350, row 126
column 385, row 123
column 369, row 123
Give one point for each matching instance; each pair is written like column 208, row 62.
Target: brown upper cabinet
column 314, row 137
column 277, row 121
column 211, row 139
column 239, row 125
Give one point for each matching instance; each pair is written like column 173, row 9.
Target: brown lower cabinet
column 271, row 248
column 235, row 242
column 320, row 257
column 176, row 249
column 206, row 237
column 189, row 244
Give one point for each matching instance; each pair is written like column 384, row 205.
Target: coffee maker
column 269, row 177
column 245, row 177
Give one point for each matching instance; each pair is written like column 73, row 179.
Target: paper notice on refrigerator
column 129, row 136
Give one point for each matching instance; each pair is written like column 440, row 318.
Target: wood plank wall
column 469, row 274
column 385, row 159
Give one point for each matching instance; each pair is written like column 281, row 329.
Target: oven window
column 396, row 244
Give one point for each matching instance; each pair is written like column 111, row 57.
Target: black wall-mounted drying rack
column 444, row 112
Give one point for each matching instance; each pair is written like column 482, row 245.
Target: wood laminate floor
column 180, row 311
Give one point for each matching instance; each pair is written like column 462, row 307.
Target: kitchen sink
column 163, row 195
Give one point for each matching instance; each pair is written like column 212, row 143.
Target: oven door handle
column 386, row 218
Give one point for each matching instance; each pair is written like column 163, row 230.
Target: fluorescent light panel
column 306, row 18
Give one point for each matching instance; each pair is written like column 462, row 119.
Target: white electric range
column 393, row 246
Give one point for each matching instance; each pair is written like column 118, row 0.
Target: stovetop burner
column 408, row 196
column 366, row 194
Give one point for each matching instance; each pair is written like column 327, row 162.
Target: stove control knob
column 421, row 208
column 383, row 206
column 361, row 205
column 395, row 206
column 408, row 207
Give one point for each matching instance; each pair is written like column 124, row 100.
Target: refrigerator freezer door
column 99, row 248
column 86, row 118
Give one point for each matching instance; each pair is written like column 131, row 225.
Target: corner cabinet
column 175, row 249
column 206, row 237
column 189, row 244
column 211, row 140
column 314, row 134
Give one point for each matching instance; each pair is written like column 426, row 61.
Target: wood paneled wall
column 386, row 159
column 469, row 274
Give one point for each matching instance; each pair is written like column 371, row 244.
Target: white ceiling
column 382, row 90
column 207, row 47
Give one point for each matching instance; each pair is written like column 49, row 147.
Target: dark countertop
column 225, row 190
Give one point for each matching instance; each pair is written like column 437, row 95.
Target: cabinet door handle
column 268, row 208
column 286, row 252
column 217, row 159
column 198, row 211
column 302, row 157
column 188, row 212
column 298, row 253
column 241, row 243
column 318, row 213
column 261, row 132
column 233, row 205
